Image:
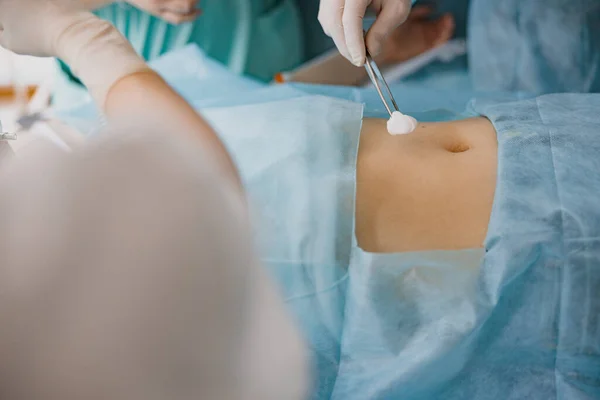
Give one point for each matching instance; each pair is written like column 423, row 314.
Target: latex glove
column 342, row 20
column 33, row 27
column 173, row 11
column 96, row 52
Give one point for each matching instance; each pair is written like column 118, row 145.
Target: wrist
column 72, row 34
column 97, row 54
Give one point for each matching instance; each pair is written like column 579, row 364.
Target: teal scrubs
column 258, row 38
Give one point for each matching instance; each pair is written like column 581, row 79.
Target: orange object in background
column 9, row 93
column 279, row 78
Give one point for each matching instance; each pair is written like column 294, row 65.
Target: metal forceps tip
column 377, row 77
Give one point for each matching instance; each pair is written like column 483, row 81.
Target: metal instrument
column 378, row 80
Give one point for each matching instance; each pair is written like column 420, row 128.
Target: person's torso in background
column 254, row 37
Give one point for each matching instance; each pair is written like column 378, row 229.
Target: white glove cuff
column 97, row 54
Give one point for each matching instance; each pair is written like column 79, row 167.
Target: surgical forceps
column 376, row 76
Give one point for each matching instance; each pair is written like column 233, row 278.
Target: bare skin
column 432, row 189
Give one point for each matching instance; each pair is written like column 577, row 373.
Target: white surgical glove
column 342, row 20
column 96, row 52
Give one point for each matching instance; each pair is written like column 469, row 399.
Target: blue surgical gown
column 537, row 46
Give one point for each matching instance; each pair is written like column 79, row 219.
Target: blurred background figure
column 257, row 38
column 111, row 291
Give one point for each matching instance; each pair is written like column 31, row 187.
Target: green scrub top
column 258, row 38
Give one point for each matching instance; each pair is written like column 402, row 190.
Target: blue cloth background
column 539, row 291
column 537, row 46
column 298, row 170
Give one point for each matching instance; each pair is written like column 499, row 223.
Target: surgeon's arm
column 128, row 91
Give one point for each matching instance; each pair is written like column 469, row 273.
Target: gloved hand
column 173, row 11
column 94, row 49
column 342, row 20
